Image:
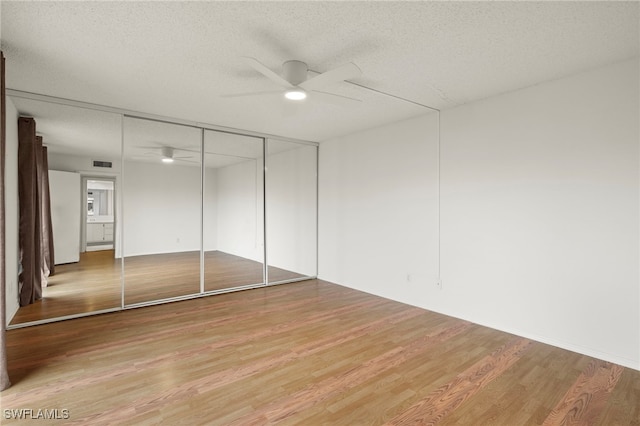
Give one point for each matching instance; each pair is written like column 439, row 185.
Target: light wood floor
column 94, row 283
column 309, row 353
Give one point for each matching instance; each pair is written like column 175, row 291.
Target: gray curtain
column 4, row 375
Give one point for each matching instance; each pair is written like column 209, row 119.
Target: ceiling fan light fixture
column 295, row 94
column 167, row 154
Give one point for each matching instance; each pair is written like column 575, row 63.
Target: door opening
column 98, row 212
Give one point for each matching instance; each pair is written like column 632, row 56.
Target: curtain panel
column 4, row 376
column 29, row 280
column 48, row 258
column 36, row 231
column 29, row 152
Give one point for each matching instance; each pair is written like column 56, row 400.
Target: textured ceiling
column 70, row 130
column 176, row 58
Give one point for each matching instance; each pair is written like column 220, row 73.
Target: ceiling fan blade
column 332, row 98
column 143, row 157
column 185, row 161
column 262, row 69
column 228, row 155
column 241, row 95
column 344, row 72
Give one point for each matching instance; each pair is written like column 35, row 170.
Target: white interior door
column 64, row 188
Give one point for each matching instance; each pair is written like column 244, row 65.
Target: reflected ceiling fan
column 167, row 155
column 295, row 85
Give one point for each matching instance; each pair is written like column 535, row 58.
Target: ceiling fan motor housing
column 167, row 152
column 295, row 72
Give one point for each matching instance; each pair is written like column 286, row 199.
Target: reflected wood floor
column 308, row 353
column 94, row 283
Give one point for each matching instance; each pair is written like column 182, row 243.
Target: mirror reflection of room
column 100, row 214
column 82, row 155
column 291, row 212
column 233, row 233
column 145, row 211
column 162, row 210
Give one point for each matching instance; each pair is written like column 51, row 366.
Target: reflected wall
column 233, row 232
column 292, row 195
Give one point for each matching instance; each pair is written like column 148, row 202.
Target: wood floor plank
column 584, row 401
column 234, row 374
column 154, row 362
column 523, row 395
column 623, row 407
column 447, row 398
column 95, row 282
column 307, row 353
column 319, row 391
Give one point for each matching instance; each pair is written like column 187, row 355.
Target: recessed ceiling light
column 167, row 160
column 295, row 94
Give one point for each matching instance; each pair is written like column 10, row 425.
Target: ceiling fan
column 167, row 154
column 297, row 87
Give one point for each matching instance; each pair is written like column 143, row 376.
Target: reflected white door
column 64, row 188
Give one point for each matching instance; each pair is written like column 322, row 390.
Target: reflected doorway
column 98, row 214
column 88, row 274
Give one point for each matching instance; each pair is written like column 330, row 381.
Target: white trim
column 63, row 318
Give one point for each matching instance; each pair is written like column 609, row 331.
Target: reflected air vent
column 105, row 164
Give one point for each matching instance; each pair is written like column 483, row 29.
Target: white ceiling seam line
column 153, row 117
column 394, row 96
column 380, row 92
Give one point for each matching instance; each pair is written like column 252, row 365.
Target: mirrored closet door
column 292, row 195
column 82, row 145
column 233, row 232
column 162, row 210
column 145, row 211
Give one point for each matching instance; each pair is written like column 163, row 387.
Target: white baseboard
column 100, row 247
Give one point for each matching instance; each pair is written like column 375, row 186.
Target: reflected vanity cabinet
column 99, row 232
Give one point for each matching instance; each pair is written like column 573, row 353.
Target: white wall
column 291, row 208
column 11, row 212
column 378, row 210
column 66, row 205
column 539, row 213
column 161, row 208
